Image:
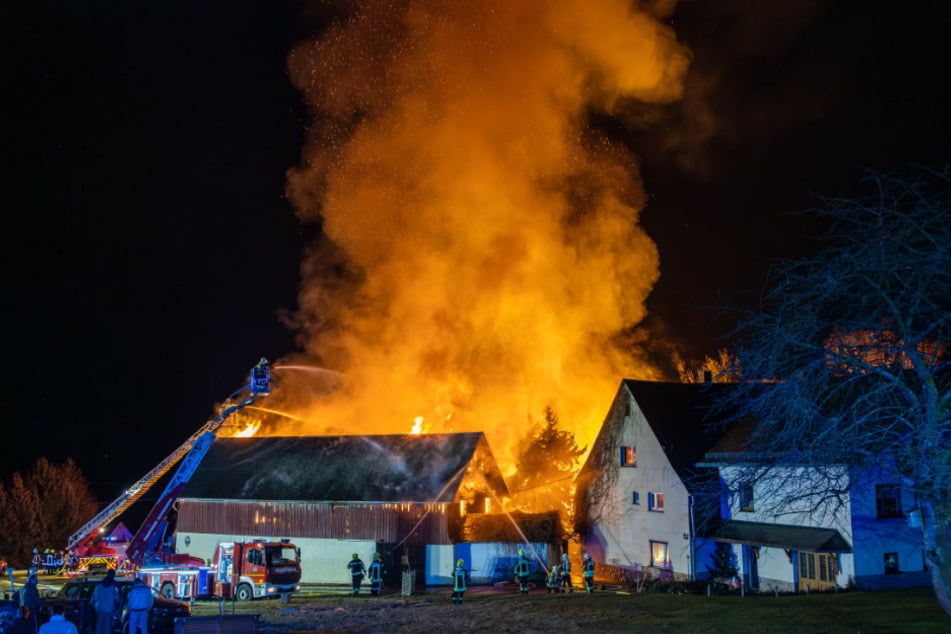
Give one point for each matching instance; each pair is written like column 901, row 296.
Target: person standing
column 357, row 570
column 139, row 601
column 565, row 568
column 553, row 582
column 37, row 559
column 23, row 623
column 30, row 597
column 459, row 586
column 106, row 601
column 376, row 575
column 58, row 623
column 588, row 573
column 522, row 570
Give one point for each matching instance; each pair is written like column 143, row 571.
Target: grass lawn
column 854, row 612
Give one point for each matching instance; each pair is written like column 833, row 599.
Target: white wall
column 322, row 560
column 623, row 530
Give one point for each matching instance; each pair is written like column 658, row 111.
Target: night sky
column 151, row 254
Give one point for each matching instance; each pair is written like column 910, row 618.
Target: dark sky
column 149, row 249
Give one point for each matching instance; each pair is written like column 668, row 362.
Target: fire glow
column 480, row 251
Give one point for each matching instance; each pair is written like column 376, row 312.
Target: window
column 887, row 500
column 746, row 498
column 655, row 501
column 659, row 553
column 628, row 456
column 635, row 499
column 891, row 564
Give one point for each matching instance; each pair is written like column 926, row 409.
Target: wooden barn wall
column 418, row 524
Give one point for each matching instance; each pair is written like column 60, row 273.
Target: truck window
column 278, row 555
column 255, row 558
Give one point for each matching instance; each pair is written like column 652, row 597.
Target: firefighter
column 553, row 582
column 588, row 573
column 357, row 570
column 376, row 575
column 521, row 572
column 72, row 561
column 459, row 583
column 37, row 560
column 49, row 565
column 565, row 568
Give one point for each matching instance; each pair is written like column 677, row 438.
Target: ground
column 609, row 610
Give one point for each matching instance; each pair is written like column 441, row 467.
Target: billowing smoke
column 480, row 254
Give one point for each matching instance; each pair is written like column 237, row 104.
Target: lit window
column 891, row 564
column 628, row 457
column 658, row 553
column 655, row 501
column 746, row 497
column 887, row 500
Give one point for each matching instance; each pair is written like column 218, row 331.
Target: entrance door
column 817, row 571
column 750, row 567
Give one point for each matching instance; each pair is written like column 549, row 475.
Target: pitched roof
column 812, row 538
column 678, row 416
column 380, row 468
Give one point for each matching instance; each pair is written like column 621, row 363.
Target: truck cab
column 256, row 569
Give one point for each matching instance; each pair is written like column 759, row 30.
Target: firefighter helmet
column 377, row 556
column 587, row 556
column 460, row 564
column 355, row 556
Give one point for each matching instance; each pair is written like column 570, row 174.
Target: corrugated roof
column 379, row 468
column 811, row 538
column 678, row 416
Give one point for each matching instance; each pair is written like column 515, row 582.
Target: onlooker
column 30, row 597
column 58, row 623
column 139, row 601
column 106, row 601
column 23, row 623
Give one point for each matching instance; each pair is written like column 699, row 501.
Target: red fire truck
column 239, row 570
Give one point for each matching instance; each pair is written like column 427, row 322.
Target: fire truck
column 240, row 570
column 146, row 550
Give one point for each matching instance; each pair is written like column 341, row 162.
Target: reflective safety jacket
column 376, row 571
column 521, row 567
column 459, row 579
column 357, row 567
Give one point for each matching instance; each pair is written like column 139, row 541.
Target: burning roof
column 378, row 468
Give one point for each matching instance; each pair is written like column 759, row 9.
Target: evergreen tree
column 546, row 467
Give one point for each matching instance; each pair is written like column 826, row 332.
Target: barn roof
column 379, row 468
column 678, row 414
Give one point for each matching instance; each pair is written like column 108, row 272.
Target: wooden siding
column 417, row 524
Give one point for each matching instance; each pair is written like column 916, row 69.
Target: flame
column 249, row 430
column 480, row 253
column 417, row 425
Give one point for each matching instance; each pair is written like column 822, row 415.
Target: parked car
column 75, row 595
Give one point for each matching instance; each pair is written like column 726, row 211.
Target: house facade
column 663, row 485
column 641, row 499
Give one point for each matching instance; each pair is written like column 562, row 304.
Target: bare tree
column 852, row 344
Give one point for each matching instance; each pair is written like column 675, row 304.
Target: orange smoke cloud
column 481, row 249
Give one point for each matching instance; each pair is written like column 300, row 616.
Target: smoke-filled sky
column 468, row 210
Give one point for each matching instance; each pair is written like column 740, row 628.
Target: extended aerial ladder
column 190, row 453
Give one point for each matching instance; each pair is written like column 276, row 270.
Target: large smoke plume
column 480, row 254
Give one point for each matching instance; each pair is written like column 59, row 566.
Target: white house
column 663, row 484
column 642, row 499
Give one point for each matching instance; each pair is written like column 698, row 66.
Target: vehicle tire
column 244, row 592
column 168, row 590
